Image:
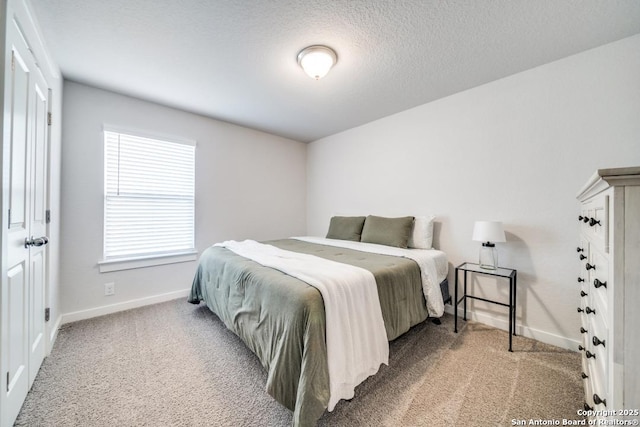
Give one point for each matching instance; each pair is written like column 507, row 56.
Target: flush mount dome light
column 317, row 60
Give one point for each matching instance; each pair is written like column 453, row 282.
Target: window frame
column 143, row 260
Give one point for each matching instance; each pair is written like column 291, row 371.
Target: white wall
column 249, row 184
column 515, row 150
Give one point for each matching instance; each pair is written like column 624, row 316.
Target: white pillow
column 422, row 235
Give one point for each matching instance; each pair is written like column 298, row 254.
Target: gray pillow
column 387, row 231
column 346, row 228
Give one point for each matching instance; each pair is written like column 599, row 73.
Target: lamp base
column 488, row 256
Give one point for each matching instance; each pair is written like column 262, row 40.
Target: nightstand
column 508, row 273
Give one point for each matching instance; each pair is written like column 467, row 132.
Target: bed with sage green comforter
column 281, row 318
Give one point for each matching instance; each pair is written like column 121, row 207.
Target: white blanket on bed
column 355, row 333
column 433, row 266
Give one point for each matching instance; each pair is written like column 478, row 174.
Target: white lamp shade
column 488, row 231
column 316, row 61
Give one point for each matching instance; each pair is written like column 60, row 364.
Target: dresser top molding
column 605, row 178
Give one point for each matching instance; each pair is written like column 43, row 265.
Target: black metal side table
column 512, row 275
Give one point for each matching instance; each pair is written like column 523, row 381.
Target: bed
column 281, row 318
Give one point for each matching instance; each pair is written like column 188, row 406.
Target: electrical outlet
column 110, row 288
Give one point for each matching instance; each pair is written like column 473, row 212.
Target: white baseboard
column 121, row 306
column 546, row 337
column 525, row 331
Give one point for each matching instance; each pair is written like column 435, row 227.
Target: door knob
column 39, row 241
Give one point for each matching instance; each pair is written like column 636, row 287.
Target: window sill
column 107, row 266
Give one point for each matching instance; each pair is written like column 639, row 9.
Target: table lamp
column 488, row 232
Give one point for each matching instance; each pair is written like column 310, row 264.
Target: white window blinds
column 149, row 197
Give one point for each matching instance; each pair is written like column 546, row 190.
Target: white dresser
column 609, row 277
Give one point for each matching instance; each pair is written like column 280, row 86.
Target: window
column 148, row 201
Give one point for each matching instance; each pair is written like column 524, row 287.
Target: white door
column 23, row 290
column 38, row 223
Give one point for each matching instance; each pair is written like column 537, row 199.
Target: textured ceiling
column 235, row 60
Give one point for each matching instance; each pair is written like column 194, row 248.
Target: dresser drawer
column 586, row 381
column 588, row 384
column 589, row 368
column 598, row 383
column 598, row 339
column 599, row 282
column 600, row 316
column 585, row 374
column 595, row 221
column 583, row 257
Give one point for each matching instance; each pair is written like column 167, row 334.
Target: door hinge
column 7, row 380
column 9, row 219
column 48, row 216
column 49, row 115
column 13, row 61
column 47, row 314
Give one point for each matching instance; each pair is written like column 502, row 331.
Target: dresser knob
column 581, row 348
column 583, row 330
column 590, row 267
column 585, row 219
column 582, row 257
column 597, row 400
column 583, row 294
column 597, row 341
column 580, row 217
column 580, row 279
column 580, row 249
column 580, row 310
column 584, row 376
column 597, row 283
column 590, row 310
column 587, row 407
column 590, row 355
column 593, row 222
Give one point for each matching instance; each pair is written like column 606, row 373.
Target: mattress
column 281, row 319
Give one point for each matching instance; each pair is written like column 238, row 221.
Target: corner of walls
column 249, row 184
column 53, row 331
column 515, row 150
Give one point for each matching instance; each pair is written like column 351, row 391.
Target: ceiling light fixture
column 317, row 60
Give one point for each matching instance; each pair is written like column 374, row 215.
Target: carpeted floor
column 175, row 364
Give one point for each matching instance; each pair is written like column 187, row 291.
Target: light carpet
column 175, row 364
